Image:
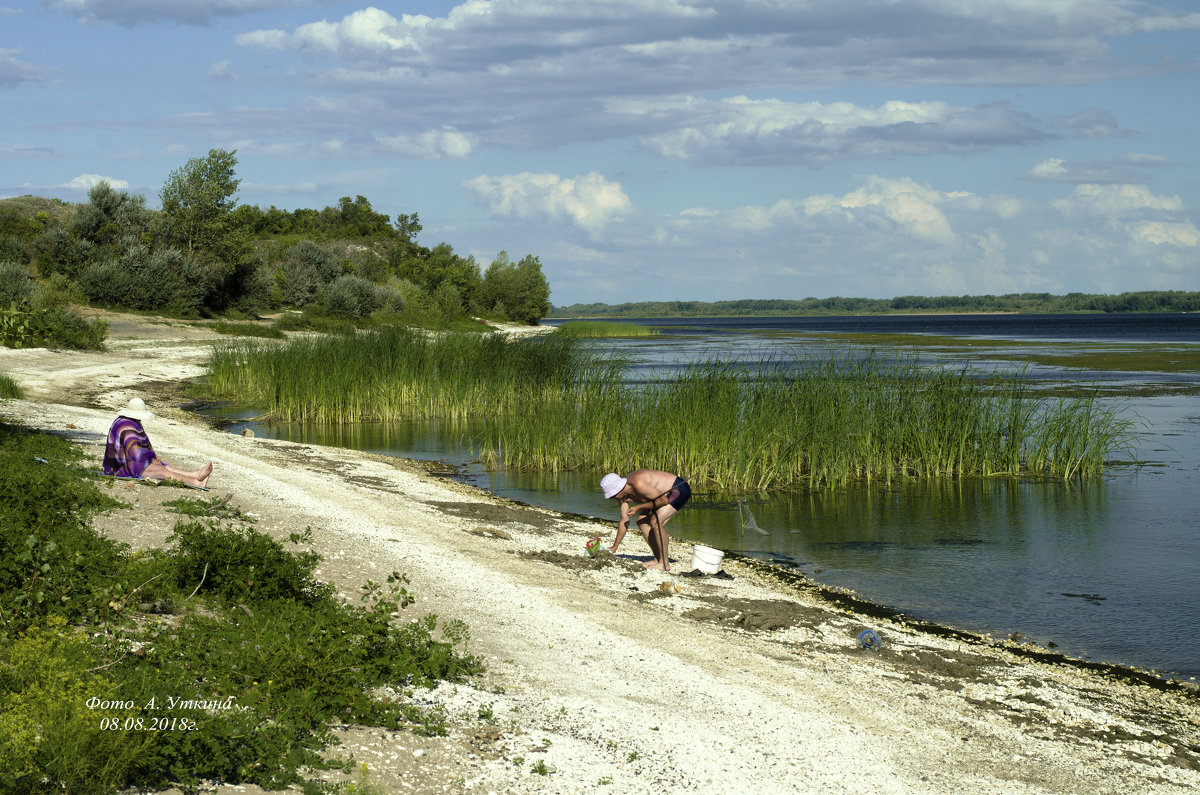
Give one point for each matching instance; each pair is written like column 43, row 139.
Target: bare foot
column 654, row 565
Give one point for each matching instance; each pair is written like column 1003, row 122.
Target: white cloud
column 1092, row 123
column 431, row 144
column 740, row 129
column 369, row 30
column 1128, row 168
column 89, row 181
column 223, row 70
column 704, row 44
column 1115, row 201
column 1053, row 168
column 1178, row 234
column 590, row 201
column 911, row 207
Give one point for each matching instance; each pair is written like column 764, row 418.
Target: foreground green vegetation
column 218, row 658
column 550, row 404
column 605, row 328
column 1044, row 303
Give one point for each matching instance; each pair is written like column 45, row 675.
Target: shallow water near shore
column 1104, row 569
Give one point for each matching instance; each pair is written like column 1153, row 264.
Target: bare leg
column 656, row 537
column 157, row 470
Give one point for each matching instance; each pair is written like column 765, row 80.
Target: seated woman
column 128, row 453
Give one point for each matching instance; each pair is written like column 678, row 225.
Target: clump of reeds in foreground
column 769, row 425
column 605, row 328
column 550, row 404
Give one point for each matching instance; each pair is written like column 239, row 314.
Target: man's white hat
column 611, row 484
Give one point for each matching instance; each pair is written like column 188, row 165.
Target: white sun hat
column 136, row 410
column 611, row 484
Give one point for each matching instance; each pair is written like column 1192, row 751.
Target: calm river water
column 1109, row 569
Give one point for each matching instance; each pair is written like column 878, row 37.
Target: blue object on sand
column 868, row 640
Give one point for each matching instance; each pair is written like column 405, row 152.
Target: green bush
column 314, row 318
column 240, row 563
column 54, row 735
column 52, row 328
column 57, row 251
column 106, row 283
column 352, row 296
column 16, row 287
column 56, row 292
column 252, row 287
column 13, row 248
column 51, row 563
column 10, row 388
column 163, row 279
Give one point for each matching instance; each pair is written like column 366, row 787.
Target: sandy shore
column 595, row 669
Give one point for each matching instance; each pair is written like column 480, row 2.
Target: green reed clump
column 396, row 373
column 605, row 328
column 769, row 425
column 553, row 405
column 10, row 388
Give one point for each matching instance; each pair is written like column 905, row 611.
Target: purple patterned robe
column 128, row 451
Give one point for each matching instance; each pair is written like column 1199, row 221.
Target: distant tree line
column 1045, row 303
column 203, row 254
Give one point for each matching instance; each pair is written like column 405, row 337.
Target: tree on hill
column 197, row 208
column 520, row 292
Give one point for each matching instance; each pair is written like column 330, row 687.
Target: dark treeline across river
column 1107, row 569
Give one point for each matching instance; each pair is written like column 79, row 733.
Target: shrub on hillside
column 56, row 292
column 13, row 248
column 165, row 279
column 251, row 287
column 57, row 251
column 306, row 269
column 15, row 285
column 352, row 297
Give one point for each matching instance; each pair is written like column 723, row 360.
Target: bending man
column 656, row 494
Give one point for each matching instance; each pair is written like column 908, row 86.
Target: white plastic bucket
column 707, row 559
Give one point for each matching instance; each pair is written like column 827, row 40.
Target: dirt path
column 598, row 677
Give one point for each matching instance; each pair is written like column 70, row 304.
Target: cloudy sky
column 657, row 149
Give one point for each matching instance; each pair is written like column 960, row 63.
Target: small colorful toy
column 594, row 546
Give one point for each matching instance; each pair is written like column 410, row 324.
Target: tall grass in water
column 397, row 373
column 770, row 425
column 551, row 405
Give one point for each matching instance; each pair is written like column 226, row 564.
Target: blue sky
column 657, row 149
